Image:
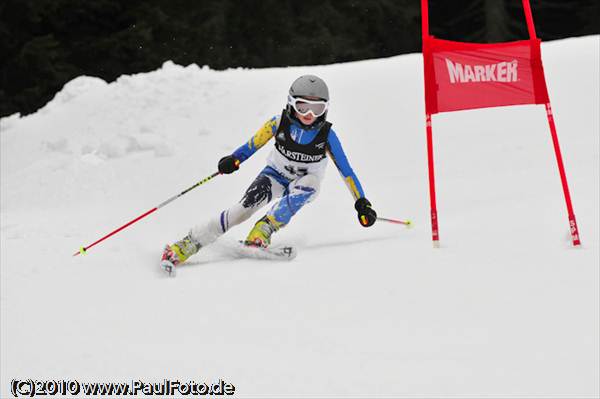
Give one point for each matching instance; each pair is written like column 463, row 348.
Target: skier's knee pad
column 259, row 193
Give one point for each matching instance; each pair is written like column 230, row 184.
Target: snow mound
column 506, row 308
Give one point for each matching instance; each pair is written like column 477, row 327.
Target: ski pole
column 407, row 223
column 83, row 250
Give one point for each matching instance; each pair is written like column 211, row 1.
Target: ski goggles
column 304, row 106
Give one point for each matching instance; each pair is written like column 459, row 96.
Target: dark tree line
column 45, row 43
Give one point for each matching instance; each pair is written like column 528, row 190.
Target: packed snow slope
column 505, row 308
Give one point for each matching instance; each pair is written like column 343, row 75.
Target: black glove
column 228, row 164
column 366, row 215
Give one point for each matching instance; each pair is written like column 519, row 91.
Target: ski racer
column 303, row 141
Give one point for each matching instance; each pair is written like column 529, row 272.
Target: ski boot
column 178, row 253
column 260, row 235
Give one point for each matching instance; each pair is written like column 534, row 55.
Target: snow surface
column 506, row 308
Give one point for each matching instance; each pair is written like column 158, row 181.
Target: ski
column 239, row 250
column 165, row 263
column 275, row 252
column 168, row 268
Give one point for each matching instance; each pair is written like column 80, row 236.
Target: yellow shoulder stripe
column 263, row 135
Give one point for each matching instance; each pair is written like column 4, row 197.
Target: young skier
column 295, row 168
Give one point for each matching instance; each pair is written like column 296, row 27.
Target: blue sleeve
column 341, row 162
column 260, row 138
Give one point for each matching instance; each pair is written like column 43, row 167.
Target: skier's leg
column 299, row 193
column 260, row 192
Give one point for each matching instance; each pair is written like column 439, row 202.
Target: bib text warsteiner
column 299, row 156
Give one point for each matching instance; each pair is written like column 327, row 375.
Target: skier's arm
column 366, row 215
column 230, row 163
column 260, row 138
column 336, row 152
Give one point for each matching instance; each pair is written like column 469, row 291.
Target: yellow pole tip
column 82, row 251
column 408, row 224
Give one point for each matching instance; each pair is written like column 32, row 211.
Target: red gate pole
column 561, row 168
column 529, row 18
column 427, row 70
column 424, row 19
column 435, row 236
column 563, row 177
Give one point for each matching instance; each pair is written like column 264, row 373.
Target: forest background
column 46, row 43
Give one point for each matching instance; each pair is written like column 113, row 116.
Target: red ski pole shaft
column 407, row 223
column 83, row 250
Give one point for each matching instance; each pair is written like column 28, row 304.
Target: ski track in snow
column 505, row 308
